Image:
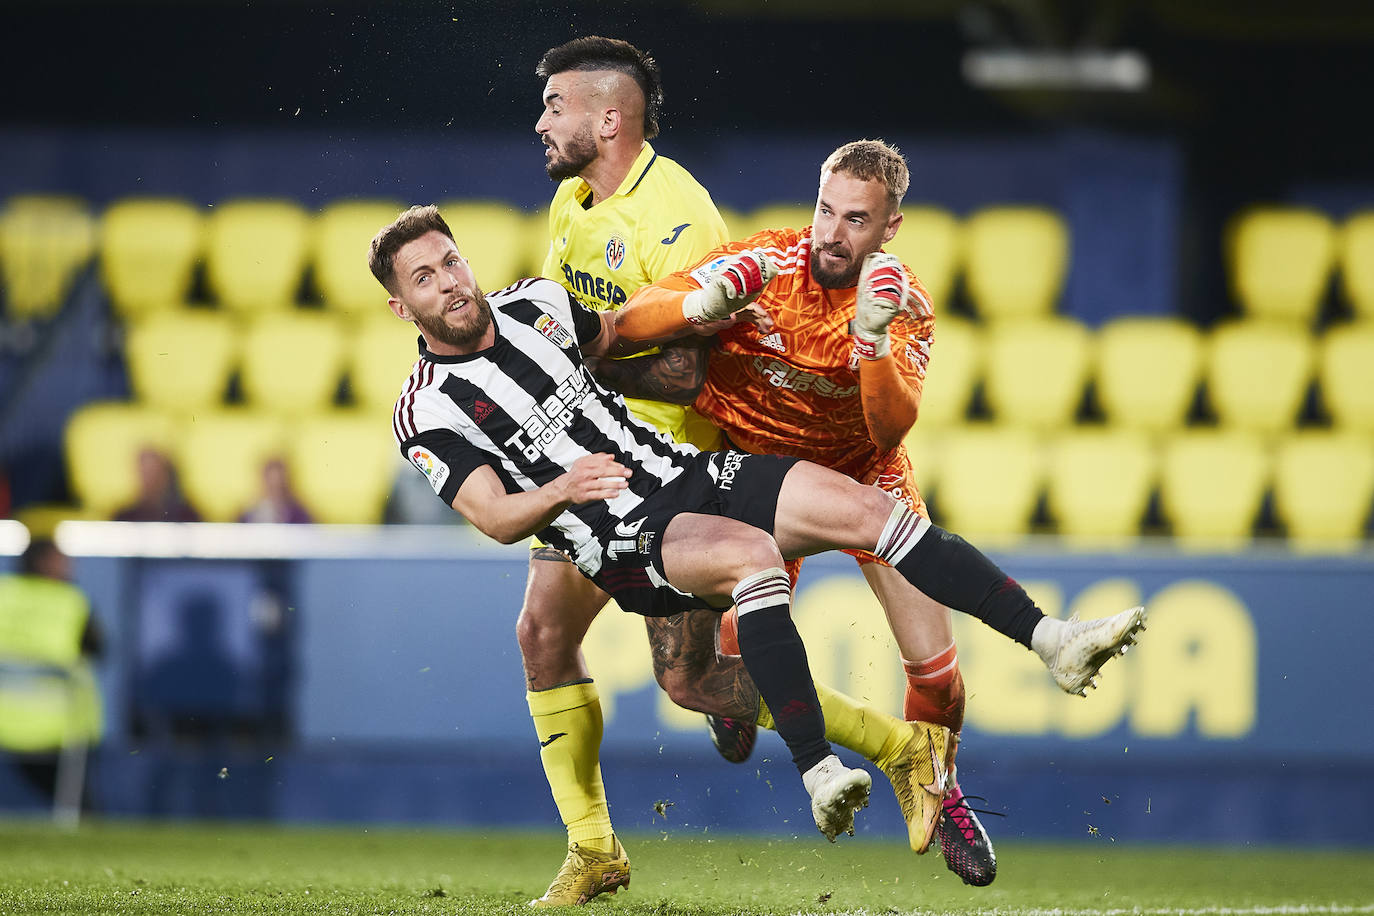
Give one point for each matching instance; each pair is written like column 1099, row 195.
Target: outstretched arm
column 674, row 374
column 675, row 305
column 511, row 517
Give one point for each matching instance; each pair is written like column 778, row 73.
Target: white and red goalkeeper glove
column 731, row 286
column 882, row 292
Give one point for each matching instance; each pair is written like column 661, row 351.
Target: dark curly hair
column 592, row 52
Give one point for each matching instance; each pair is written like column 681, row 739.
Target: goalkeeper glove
column 736, row 283
column 882, row 292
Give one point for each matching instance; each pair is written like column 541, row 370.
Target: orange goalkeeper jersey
column 795, row 390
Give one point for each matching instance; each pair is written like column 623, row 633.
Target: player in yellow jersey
column 624, row 216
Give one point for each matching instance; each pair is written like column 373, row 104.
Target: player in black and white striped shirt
column 504, row 419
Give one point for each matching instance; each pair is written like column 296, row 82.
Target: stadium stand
column 735, row 221
column 1211, row 487
column 148, row 251
column 293, row 361
column 1147, row 371
column 181, row 360
column 1279, row 260
column 44, row 241
column 220, row 456
column 536, row 241
column 1258, row 373
column 989, row 482
column 956, row 364
column 778, row 215
column 1015, row 261
column 1345, row 372
column 381, row 352
column 1324, row 488
column 342, row 467
column 255, row 253
column 102, row 443
column 929, row 242
column 1098, row 484
column 491, row 235
column 1035, row 370
column 343, row 231
column 1357, row 263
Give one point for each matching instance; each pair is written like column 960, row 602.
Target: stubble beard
column 574, row 156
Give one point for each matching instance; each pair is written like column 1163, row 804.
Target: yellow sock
column 863, row 729
column 567, row 720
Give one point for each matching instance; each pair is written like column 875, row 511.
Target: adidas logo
column 482, row 409
column 774, row 341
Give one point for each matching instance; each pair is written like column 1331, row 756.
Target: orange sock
column 935, row 690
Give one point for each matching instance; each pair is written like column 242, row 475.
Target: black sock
column 955, row 573
column 775, row 658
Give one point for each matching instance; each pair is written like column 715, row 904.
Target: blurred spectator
column 159, row 498
column 47, row 639
column 278, row 503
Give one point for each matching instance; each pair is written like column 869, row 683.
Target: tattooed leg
column 693, row 674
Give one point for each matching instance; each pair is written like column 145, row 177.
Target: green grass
column 122, row 868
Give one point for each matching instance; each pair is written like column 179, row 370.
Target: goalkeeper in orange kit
column 836, row 378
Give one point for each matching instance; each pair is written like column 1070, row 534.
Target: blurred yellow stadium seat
column 1147, row 371
column 1324, row 488
column 1258, row 373
column 929, row 243
column 1212, row 485
column 220, row 457
column 381, row 352
column 42, row 519
column 536, row 243
column 1035, row 369
column 956, row 364
column 989, row 482
column 735, row 221
column 292, row 361
column 44, row 241
column 1345, row 370
column 182, row 360
column 342, row 233
column 149, row 247
column 342, row 463
column 1015, row 261
column 925, row 445
column 779, row 215
column 491, row 235
column 102, row 442
column 256, row 253
column 1280, row 260
column 1098, row 484
column 1357, row 263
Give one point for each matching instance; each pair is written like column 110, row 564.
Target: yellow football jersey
column 659, row 221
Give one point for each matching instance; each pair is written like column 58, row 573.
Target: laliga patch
column 550, row 328
column 704, row 273
column 615, row 252
column 430, row 465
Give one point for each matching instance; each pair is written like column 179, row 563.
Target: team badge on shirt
column 554, row 331
column 430, row 465
column 615, row 252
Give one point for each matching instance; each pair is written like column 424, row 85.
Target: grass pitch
column 122, row 868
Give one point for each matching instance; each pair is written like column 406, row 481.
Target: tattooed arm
column 691, row 671
column 674, row 374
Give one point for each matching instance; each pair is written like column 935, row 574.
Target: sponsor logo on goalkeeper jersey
column 615, row 252
column 547, row 420
column 773, row 342
column 590, row 288
column 782, row 375
column 550, row 328
column 430, row 465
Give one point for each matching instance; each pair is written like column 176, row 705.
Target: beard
column 575, row 155
column 832, row 279
column 463, row 335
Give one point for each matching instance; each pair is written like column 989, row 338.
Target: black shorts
column 730, row 484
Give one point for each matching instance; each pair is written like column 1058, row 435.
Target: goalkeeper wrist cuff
column 872, row 349
column 697, row 307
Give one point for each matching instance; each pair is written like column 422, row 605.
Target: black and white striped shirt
column 528, row 408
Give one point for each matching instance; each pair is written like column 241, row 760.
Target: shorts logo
column 729, row 467
column 430, row 465
column 615, row 252
column 550, row 328
column 628, row 529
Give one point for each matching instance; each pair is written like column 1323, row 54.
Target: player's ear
column 894, row 222
column 398, row 308
column 610, row 123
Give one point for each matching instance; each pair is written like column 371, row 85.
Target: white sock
column 1045, row 639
